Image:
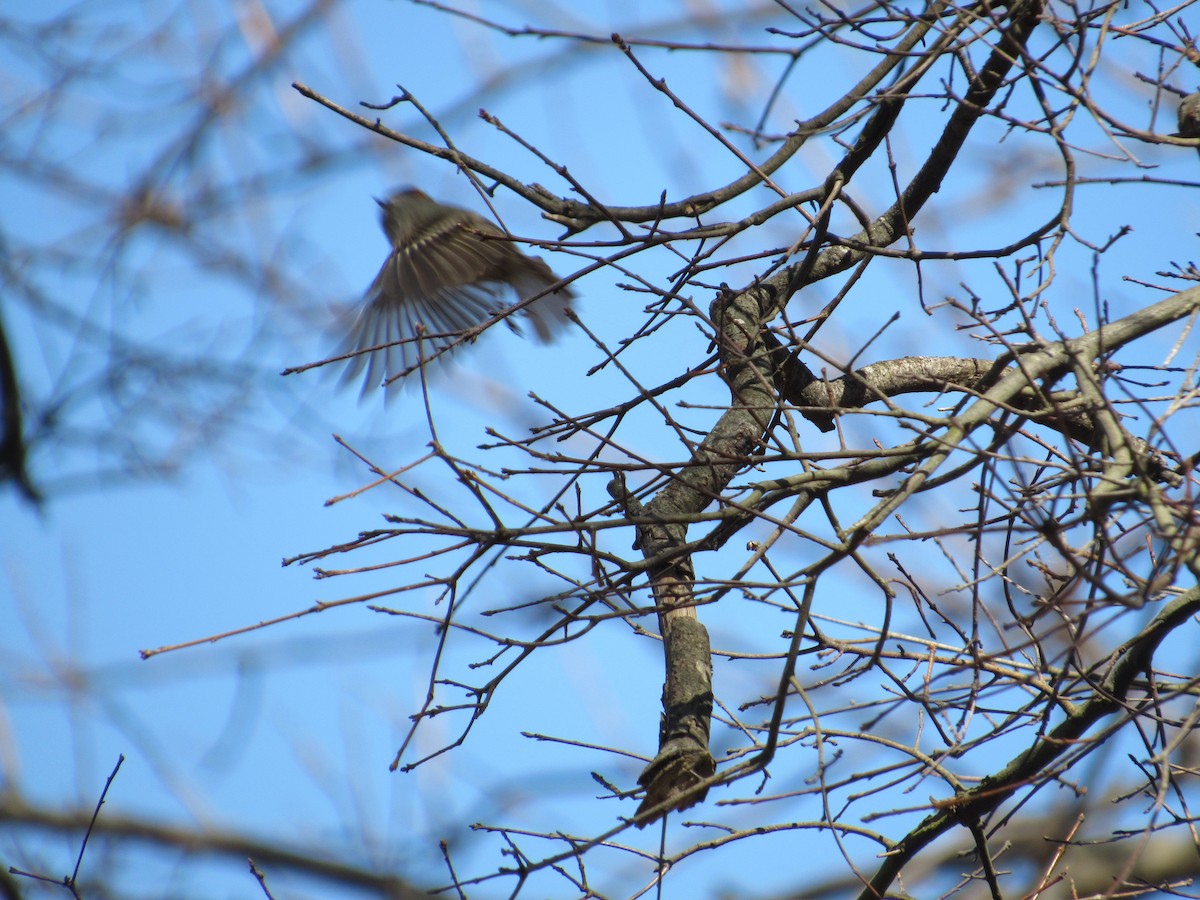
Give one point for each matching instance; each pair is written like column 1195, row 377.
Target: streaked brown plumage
column 449, row 270
column 1189, row 116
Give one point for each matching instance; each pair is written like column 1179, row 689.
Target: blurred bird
column 1189, row 116
column 449, row 270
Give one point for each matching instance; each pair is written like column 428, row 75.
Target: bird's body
column 1189, row 116
column 448, row 272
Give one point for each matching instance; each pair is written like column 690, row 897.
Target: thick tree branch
column 1111, row 695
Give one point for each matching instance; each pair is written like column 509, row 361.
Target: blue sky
column 286, row 732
